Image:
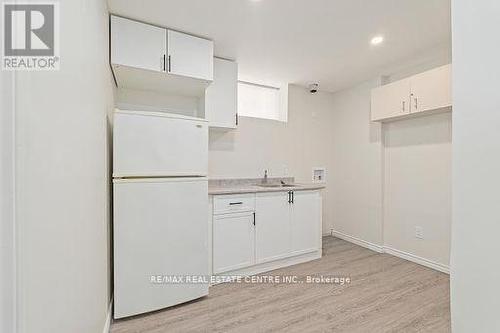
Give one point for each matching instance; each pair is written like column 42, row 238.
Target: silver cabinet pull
column 416, row 103
column 404, row 106
column 235, row 203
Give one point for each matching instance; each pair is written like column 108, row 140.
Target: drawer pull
column 235, row 203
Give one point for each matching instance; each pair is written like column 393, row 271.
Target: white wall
column 285, row 149
column 7, row 223
column 62, row 180
column 475, row 272
column 132, row 99
column 356, row 172
column 386, row 180
column 417, row 186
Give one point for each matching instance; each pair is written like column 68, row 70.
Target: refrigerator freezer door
column 154, row 144
column 160, row 229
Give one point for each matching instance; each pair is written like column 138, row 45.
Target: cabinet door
column 233, row 241
column 305, row 221
column 431, row 90
column 190, row 56
column 221, row 95
column 391, row 100
column 137, row 44
column 272, row 229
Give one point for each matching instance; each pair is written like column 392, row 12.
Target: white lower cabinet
column 305, row 221
column 281, row 225
column 233, row 241
column 272, row 229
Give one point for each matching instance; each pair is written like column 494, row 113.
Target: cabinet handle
column 404, row 106
column 169, row 64
column 254, row 218
column 289, row 196
column 235, row 203
column 293, row 196
column 416, row 103
column 163, row 62
column 236, row 119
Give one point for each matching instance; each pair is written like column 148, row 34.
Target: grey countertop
column 237, row 186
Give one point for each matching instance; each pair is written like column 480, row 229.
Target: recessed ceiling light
column 377, row 40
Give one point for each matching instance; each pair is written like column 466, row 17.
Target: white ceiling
column 299, row 41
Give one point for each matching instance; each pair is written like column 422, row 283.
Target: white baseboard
column 358, row 241
column 397, row 253
column 107, row 323
column 416, row 259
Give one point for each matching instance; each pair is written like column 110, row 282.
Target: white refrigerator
column 160, row 210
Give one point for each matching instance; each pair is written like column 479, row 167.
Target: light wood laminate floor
column 386, row 294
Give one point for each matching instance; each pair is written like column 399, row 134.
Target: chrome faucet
column 264, row 181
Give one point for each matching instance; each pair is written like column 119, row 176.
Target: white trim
column 109, row 316
column 358, row 241
column 394, row 252
column 417, row 260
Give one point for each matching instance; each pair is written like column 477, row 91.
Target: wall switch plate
column 419, row 232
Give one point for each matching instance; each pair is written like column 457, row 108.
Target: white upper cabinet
column 425, row 92
column 190, row 56
column 221, row 97
column 391, row 100
column 151, row 58
column 431, row 90
column 137, row 44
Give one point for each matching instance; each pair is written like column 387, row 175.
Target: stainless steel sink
column 276, row 185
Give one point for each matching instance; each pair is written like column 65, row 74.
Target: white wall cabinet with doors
column 137, row 44
column 427, row 92
column 190, row 56
column 391, row 100
column 253, row 233
column 148, row 57
column 221, row 97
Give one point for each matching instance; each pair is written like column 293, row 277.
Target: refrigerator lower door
column 160, row 231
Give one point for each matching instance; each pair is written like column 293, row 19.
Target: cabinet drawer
column 224, row 204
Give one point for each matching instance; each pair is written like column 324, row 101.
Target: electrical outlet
column 419, row 232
